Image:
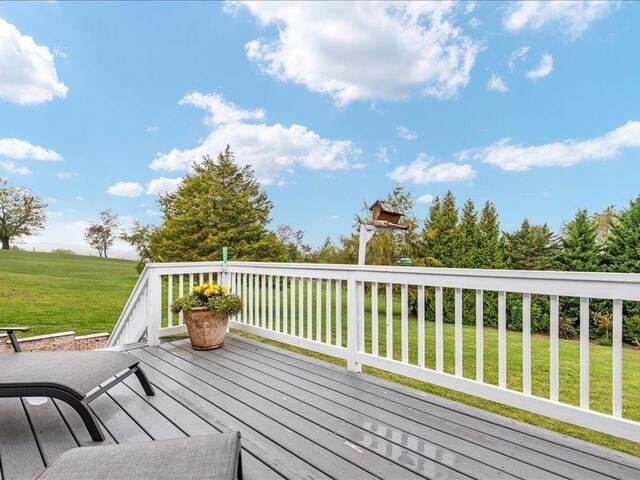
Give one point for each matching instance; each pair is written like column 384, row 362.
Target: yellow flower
column 224, row 289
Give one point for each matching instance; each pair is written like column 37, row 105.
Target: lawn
column 58, row 292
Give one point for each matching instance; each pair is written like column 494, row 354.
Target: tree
column 102, row 233
column 139, row 237
column 580, row 249
column 489, row 252
column 531, row 247
column 220, row 204
column 467, row 237
column 604, row 221
column 21, row 213
column 293, row 240
column 623, row 245
column 440, row 231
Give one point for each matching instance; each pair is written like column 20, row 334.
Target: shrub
column 212, row 296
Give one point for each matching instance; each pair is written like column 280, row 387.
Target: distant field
column 57, row 292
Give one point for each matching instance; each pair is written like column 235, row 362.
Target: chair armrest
column 12, row 336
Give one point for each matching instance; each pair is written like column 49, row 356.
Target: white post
column 366, row 232
column 154, row 308
column 353, row 323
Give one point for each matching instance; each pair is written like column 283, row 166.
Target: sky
column 533, row 106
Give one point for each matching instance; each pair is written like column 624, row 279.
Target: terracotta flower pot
column 207, row 329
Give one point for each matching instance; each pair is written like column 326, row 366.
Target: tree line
column 222, row 204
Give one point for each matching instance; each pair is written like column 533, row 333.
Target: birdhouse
column 386, row 212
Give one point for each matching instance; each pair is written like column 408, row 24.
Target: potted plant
column 206, row 312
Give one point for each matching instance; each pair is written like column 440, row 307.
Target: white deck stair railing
column 324, row 308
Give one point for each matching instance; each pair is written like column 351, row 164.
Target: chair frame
column 61, row 392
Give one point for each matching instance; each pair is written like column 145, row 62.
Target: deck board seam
column 283, row 447
column 237, row 343
column 73, row 434
column 108, row 394
column 382, row 438
column 33, row 431
column 275, row 420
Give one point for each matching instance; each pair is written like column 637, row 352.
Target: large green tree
column 21, row 213
column 440, row 231
column 489, row 252
column 580, row 249
column 467, row 238
column 623, row 244
column 220, row 204
column 531, row 247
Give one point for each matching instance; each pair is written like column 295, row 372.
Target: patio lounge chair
column 197, row 458
column 76, row 378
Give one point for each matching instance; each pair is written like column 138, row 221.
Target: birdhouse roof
column 387, row 207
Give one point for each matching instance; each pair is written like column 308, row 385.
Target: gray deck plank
column 52, row 434
column 393, row 397
column 193, row 425
column 117, row 422
column 77, row 428
column 205, row 401
column 370, row 439
column 19, row 454
column 153, row 423
column 318, row 444
column 470, row 458
column 451, row 436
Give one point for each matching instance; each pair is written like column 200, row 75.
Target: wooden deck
column 301, row 418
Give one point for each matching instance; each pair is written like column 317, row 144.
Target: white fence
column 347, row 311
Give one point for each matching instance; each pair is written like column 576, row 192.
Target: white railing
column 347, row 311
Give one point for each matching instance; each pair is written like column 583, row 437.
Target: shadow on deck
column 301, row 418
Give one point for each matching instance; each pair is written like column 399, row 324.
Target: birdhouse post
column 384, row 217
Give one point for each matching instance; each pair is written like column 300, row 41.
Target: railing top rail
column 435, row 271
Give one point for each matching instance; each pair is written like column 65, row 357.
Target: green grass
column 57, row 292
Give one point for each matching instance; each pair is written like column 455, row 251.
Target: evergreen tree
column 219, row 204
column 440, row 232
column 467, row 237
column 489, row 253
column 604, row 221
column 623, row 245
column 531, row 247
column 580, row 250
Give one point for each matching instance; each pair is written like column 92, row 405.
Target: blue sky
column 533, row 106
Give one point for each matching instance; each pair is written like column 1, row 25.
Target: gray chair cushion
column 197, row 458
column 79, row 372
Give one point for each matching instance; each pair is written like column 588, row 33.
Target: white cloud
column 496, row 84
column 220, row 111
column 54, row 214
column 404, row 132
column 21, row 149
column 382, row 154
column 331, row 217
column 269, row 149
column 78, row 198
column 27, row 70
column 542, row 70
column 153, row 213
column 509, row 156
column 78, row 226
column 475, row 22
column 426, row 198
column 365, row 50
column 153, row 129
column 126, row 189
column 13, row 168
column 570, row 17
column 425, row 170
column 163, row 185
column 66, row 175
column 517, row 55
